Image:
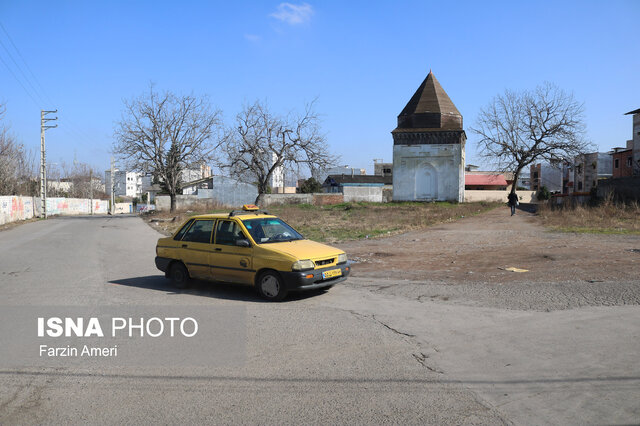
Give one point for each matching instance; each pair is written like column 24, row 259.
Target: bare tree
column 17, row 165
column 262, row 143
column 518, row 128
column 75, row 180
column 163, row 133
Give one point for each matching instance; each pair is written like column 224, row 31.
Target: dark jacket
column 513, row 199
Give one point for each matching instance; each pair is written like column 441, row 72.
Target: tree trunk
column 514, row 185
column 258, row 199
column 172, row 196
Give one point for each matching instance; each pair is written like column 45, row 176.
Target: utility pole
column 91, row 190
column 43, row 161
column 113, row 187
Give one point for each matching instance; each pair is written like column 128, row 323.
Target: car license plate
column 332, row 273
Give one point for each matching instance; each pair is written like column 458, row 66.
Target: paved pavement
column 370, row 351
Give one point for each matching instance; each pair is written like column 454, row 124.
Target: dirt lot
column 471, row 247
column 478, row 248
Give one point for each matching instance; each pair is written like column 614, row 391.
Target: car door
column 229, row 261
column 195, row 248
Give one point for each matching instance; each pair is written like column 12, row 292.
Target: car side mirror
column 243, row 243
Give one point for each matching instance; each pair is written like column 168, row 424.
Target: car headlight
column 342, row 258
column 302, row 265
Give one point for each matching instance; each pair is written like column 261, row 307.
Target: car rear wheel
column 271, row 287
column 179, row 276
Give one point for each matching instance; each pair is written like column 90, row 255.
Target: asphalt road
column 369, row 351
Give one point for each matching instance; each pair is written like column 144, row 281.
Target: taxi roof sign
column 250, row 207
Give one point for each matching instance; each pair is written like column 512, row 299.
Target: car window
column 200, row 232
column 228, row 232
column 271, row 230
column 180, row 233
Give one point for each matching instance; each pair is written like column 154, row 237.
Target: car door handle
column 184, row 246
column 217, row 249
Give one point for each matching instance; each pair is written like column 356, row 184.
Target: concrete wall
column 428, row 172
column 280, row 199
column 371, row 194
column 145, row 207
column 318, row 199
column 13, row 208
column 187, row 202
column 123, row 208
column 471, row 196
column 623, row 189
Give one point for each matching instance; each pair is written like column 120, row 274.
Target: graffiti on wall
column 13, row 208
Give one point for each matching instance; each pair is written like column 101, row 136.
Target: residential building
column 428, row 147
column 321, row 175
column 549, row 175
column 195, row 172
column 358, row 187
column 486, row 182
column 622, row 160
column 127, row 184
column 635, row 141
column 589, row 168
column 382, row 169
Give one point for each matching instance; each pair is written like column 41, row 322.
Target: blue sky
column 362, row 60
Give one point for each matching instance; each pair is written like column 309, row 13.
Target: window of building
column 629, row 161
column 616, row 163
column 579, row 186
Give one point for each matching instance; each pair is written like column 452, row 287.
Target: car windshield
column 270, row 230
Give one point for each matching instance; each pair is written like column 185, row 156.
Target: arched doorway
column 426, row 182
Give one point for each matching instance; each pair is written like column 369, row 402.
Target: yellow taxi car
column 249, row 246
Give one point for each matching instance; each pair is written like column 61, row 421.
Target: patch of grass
column 587, row 230
column 606, row 218
column 354, row 221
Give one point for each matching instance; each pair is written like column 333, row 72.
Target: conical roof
column 430, row 107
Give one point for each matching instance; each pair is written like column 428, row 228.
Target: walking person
column 513, row 202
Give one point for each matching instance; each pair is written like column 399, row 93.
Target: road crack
column 421, row 358
column 391, row 328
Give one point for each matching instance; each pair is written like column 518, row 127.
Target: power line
column 68, row 125
column 25, row 63
column 24, row 75
column 18, row 80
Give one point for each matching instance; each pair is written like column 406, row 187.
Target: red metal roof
column 487, row 180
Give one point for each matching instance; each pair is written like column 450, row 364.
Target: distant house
column 589, row 168
column 321, row 175
column 358, row 187
column 127, row 184
column 634, row 143
column 190, row 188
column 485, row 182
column 622, row 161
column 549, row 175
column 335, row 183
column 382, row 169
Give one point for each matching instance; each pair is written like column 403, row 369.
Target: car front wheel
column 271, row 287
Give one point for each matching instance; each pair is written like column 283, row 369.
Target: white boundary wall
column 471, row 196
column 13, row 208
